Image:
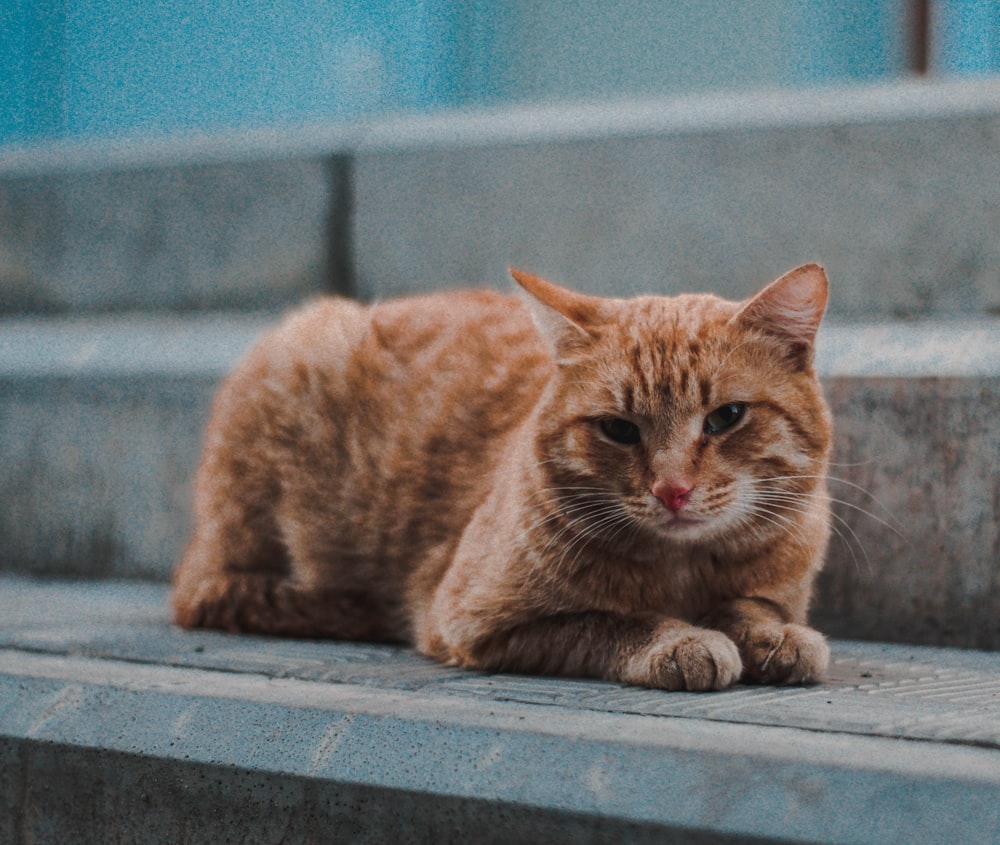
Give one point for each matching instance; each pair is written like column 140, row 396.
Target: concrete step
column 886, row 185
column 101, row 421
column 191, row 234
column 114, row 726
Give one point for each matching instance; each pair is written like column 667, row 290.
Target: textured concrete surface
column 187, row 235
column 884, row 184
column 101, row 423
column 144, row 730
column 887, row 190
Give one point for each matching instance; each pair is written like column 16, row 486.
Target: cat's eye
column 620, row 431
column 724, row 417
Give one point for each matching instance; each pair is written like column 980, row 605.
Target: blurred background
column 95, row 68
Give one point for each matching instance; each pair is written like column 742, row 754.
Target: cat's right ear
column 790, row 309
column 566, row 319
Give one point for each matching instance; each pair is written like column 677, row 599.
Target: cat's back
column 467, row 341
column 399, row 386
column 462, row 326
column 460, row 367
column 382, row 423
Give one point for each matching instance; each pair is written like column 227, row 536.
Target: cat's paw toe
column 786, row 654
column 693, row 659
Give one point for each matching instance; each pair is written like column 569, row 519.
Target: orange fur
column 566, row 484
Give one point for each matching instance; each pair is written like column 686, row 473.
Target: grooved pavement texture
column 148, row 733
column 873, row 689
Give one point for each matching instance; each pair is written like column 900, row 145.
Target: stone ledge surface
column 209, row 343
column 204, row 736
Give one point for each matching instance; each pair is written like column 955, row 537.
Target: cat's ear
column 790, row 309
column 566, row 319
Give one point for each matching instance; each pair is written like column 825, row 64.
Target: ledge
column 209, row 343
column 521, row 124
column 143, row 728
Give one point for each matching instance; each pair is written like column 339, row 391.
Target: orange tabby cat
column 561, row 484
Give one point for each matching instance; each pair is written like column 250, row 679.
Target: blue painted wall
column 32, row 67
column 71, row 68
column 966, row 37
column 100, row 67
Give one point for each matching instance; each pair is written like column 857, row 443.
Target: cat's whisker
column 775, row 495
column 587, row 517
column 570, row 494
column 729, row 354
column 846, row 542
column 833, row 478
column 782, row 521
column 599, row 528
column 787, row 506
column 852, row 464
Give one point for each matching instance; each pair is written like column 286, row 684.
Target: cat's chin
column 683, row 528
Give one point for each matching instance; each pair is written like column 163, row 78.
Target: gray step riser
column 889, row 187
column 244, row 235
column 96, row 473
column 101, row 799
column 898, row 211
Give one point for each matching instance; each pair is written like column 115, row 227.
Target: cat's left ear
column 566, row 319
column 790, row 309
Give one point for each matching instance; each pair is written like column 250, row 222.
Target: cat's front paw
column 682, row 657
column 785, row 654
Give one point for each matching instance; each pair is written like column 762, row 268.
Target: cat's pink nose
column 673, row 494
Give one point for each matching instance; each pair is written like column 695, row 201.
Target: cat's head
column 689, row 418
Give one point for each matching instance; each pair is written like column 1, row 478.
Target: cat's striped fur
column 565, row 484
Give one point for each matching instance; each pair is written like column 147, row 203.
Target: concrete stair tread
column 272, row 732
column 942, row 695
column 127, row 344
column 210, row 342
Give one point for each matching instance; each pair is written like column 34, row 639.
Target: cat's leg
column 263, row 556
column 227, row 576
column 647, row 651
column 238, row 575
column 255, row 602
column 774, row 649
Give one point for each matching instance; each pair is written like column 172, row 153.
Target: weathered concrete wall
column 916, row 551
column 101, row 421
column 242, row 235
column 887, row 188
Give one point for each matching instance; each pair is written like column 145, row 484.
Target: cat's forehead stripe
column 627, row 397
column 670, row 346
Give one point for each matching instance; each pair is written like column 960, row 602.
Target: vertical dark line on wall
column 919, row 30
column 340, row 269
